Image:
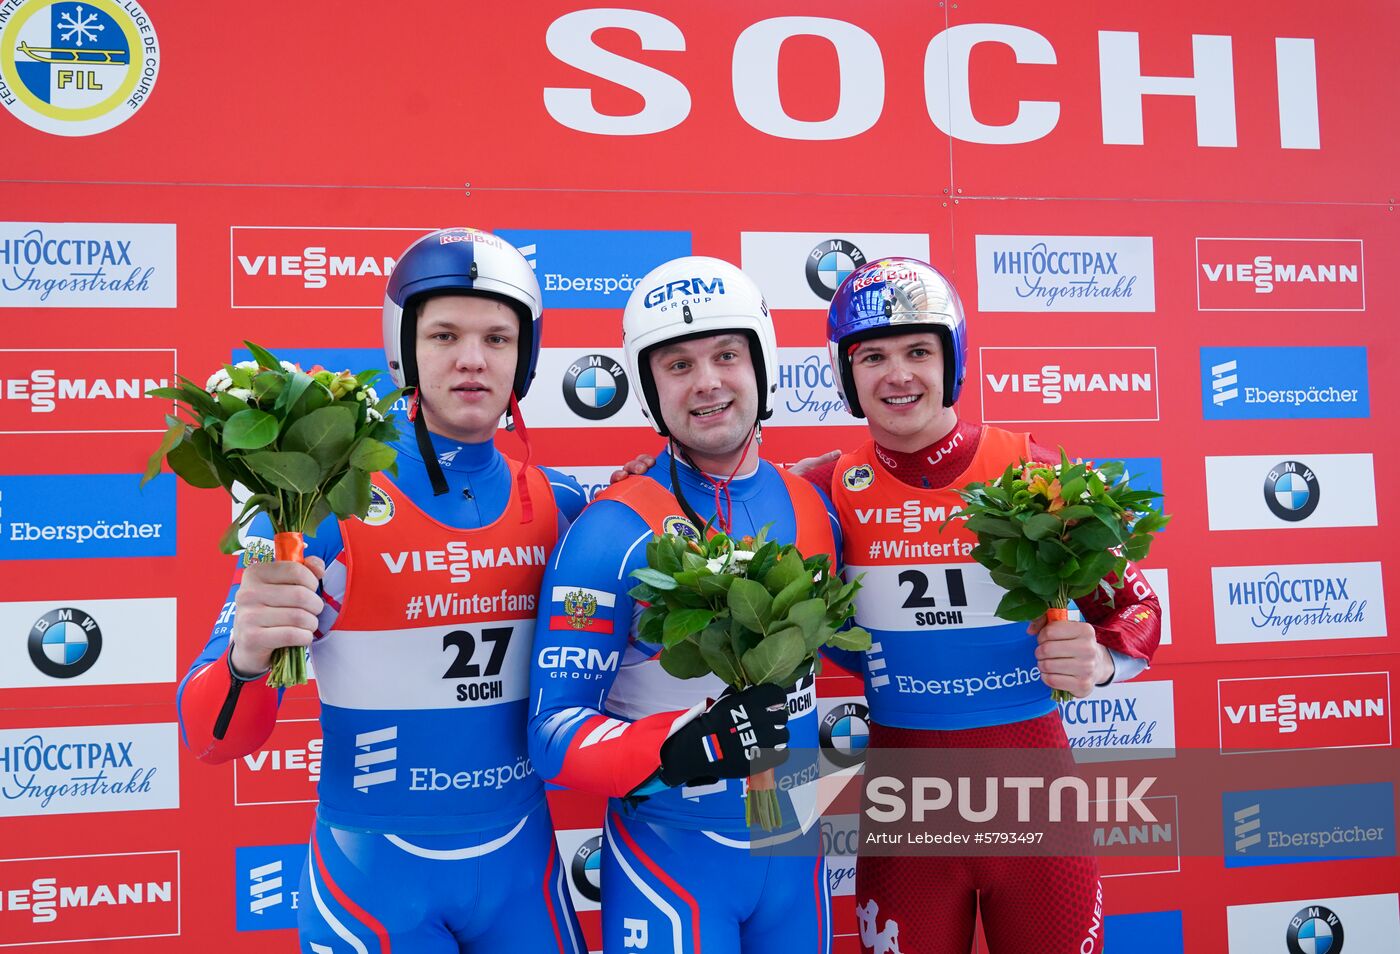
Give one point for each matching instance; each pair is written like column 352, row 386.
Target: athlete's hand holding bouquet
column 756, row 614
column 302, row 444
column 1051, row 533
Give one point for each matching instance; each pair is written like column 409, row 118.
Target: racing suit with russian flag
column 432, row 833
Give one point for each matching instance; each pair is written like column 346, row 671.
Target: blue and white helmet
column 896, row 296
column 460, row 261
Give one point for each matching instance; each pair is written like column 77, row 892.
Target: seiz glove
column 736, row 737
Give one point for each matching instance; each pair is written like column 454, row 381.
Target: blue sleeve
column 847, row 659
column 568, row 494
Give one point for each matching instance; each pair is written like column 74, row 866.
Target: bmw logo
column 828, row 265
column 64, row 643
column 586, row 869
column 595, row 387
column 1315, row 930
column 1291, row 490
column 844, row 733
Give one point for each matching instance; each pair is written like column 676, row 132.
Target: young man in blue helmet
column 432, row 833
column 679, row 873
column 898, row 348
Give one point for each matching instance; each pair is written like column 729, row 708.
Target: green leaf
column 854, row 638
column 808, row 614
column 762, row 561
column 1073, row 489
column 264, row 358
column 349, row 496
column 1136, row 548
column 194, row 470
column 249, row 429
column 1077, row 512
column 789, row 595
column 295, row 388
column 650, row 623
column 320, row 510
column 1005, row 578
column 774, row 657
column 230, row 406
column 174, row 394
column 368, row 377
column 268, row 385
column 1041, row 580
column 682, row 623
column 370, row 454
column 750, row 604
column 325, row 434
column 228, row 543
column 662, row 581
column 1044, row 525
column 1021, row 605
column 684, row 661
column 787, row 568
column 984, row 525
column 168, row 442
column 716, row 584
column 719, row 655
column 644, row 593
column 287, row 470
column 1094, row 535
column 662, row 556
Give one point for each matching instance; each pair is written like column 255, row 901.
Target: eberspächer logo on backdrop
column 1274, row 274
column 1317, row 823
column 1253, row 384
column 1068, row 384
column 82, row 391
column 595, row 387
column 307, row 267
column 579, row 268
column 1313, row 711
column 1288, row 491
column 75, row 69
column 1065, row 273
column 122, row 895
column 87, row 265
column 69, row 516
column 268, row 877
column 1288, row 603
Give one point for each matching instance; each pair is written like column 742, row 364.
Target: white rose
column 218, row 381
column 289, row 367
column 243, row 394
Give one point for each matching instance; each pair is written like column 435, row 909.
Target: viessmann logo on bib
column 304, row 267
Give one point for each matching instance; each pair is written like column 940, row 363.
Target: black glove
column 736, row 737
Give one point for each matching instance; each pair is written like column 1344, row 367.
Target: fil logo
column 369, row 760
column 1247, row 828
column 264, row 887
column 1224, row 382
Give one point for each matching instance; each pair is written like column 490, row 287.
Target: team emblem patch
column 681, row 527
column 258, row 550
column 75, row 69
column 381, row 508
column 580, row 607
column 858, row 477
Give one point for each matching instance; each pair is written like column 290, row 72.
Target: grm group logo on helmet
column 595, row 387
column 828, row 265
column 76, row 69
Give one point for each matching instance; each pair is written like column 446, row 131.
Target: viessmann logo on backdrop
column 89, row 897
column 583, row 268
column 1280, row 274
column 1253, row 384
column 83, row 391
column 1339, row 710
column 86, row 265
column 307, row 267
column 285, row 770
column 72, row 516
column 1033, row 385
column 1065, row 273
column 1288, row 603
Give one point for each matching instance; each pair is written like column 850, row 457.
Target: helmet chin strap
column 724, row 515
column 425, row 446
column 515, row 421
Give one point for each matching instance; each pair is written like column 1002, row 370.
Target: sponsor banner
column 585, row 268
column 593, row 387
column 1288, row 491
column 1040, row 385
column 68, row 770
column 1339, row 710
column 267, row 879
column 1157, row 579
column 1257, row 384
column 1319, row 823
column 840, row 843
column 78, row 516
column 285, row 770
column 78, row 642
column 1152, row 932
column 1159, row 840
column 1361, row 923
column 1129, row 720
column 69, row 898
column 843, row 726
column 87, row 265
column 1293, row 602
column 803, row 269
column 581, row 850
column 83, row 391
column 310, row 267
column 1280, row 274
column 1065, row 273
column 76, row 70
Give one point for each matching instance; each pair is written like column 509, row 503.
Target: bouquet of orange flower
column 304, row 444
column 1051, row 533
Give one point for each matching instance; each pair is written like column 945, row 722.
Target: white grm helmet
column 695, row 297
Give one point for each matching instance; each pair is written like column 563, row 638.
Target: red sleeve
column 822, row 476
column 1130, row 621
column 225, row 718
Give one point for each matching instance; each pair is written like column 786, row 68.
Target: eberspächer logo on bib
column 65, row 642
column 75, row 69
column 595, row 387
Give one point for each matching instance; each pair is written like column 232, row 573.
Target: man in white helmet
column 432, row 833
column 678, row 872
